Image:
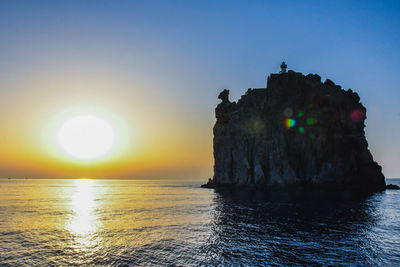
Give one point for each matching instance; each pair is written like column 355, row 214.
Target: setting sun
column 86, row 137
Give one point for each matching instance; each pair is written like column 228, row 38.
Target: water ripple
column 161, row 223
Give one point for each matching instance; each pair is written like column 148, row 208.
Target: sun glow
column 86, row 137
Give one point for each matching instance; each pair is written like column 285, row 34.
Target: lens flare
column 288, row 112
column 357, row 115
column 289, row 123
column 311, row 121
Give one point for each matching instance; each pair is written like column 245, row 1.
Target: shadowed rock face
column 297, row 131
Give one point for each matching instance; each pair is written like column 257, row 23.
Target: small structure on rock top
column 283, row 67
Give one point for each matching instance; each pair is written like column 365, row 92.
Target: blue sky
column 180, row 54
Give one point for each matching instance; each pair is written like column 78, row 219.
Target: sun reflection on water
column 83, row 207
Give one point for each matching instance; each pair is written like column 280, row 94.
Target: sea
column 85, row 222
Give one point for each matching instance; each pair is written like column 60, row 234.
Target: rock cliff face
column 297, row 131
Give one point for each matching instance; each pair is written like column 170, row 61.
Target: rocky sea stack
column 297, row 131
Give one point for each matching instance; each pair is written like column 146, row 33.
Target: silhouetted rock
column 393, row 186
column 209, row 184
column 297, row 131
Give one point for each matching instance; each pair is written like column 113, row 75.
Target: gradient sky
column 154, row 70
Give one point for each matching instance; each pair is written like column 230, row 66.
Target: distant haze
column 153, row 70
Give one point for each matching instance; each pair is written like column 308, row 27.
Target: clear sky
column 153, row 70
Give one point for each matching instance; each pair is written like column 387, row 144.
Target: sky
column 153, row 70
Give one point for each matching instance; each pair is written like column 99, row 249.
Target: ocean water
column 176, row 223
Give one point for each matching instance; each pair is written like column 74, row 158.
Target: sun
column 86, row 137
